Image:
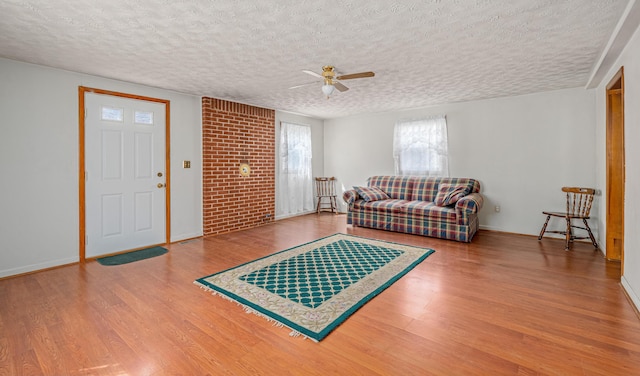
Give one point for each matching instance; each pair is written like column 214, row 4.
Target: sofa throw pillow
column 371, row 193
column 449, row 194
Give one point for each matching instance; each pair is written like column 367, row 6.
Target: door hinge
column 86, row 176
column 86, row 239
column 85, row 113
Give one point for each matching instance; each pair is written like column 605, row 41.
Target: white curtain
column 295, row 186
column 420, row 147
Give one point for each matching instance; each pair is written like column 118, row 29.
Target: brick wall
column 231, row 133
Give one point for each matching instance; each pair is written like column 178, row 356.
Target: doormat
column 314, row 287
column 125, row 258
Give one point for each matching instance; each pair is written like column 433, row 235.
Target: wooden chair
column 326, row 190
column 579, row 202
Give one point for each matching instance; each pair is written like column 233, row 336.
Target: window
column 112, row 114
column 295, row 186
column 420, row 147
column 143, row 117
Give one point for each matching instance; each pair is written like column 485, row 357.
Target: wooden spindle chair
column 326, row 190
column 579, row 202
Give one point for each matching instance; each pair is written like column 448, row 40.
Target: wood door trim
column 615, row 86
column 82, row 90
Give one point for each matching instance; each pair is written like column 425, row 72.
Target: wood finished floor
column 502, row 305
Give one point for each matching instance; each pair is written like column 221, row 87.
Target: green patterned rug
column 125, row 258
column 314, row 287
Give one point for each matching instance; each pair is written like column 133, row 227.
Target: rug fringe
column 295, row 333
column 247, row 309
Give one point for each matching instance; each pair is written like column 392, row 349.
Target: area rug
column 312, row 288
column 125, row 258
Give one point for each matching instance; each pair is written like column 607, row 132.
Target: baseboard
column 490, row 228
column 38, row 267
column 633, row 297
column 285, row 216
column 181, row 237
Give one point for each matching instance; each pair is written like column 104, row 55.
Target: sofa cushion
column 371, row 193
column 382, row 206
column 396, row 187
column 418, row 211
column 426, row 188
column 449, row 194
column 428, row 211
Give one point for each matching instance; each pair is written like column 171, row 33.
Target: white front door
column 125, row 202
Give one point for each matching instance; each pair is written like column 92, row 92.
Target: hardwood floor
column 503, row 305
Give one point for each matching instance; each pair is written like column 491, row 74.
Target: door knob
column 159, row 174
column 160, row 185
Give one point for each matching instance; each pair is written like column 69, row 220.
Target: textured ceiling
column 423, row 52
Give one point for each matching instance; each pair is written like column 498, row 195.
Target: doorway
column 124, row 172
column 615, row 169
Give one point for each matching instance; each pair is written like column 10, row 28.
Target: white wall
column 39, row 158
column 522, row 149
column 630, row 60
column 317, row 141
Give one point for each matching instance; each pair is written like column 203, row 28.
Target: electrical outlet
column 497, row 208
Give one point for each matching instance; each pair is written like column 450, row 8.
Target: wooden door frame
column 82, row 90
column 615, row 84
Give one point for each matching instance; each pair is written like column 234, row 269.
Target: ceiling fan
column 331, row 81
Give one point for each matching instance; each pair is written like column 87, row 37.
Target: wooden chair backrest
column 326, row 187
column 579, row 200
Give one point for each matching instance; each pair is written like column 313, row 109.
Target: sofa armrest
column 471, row 203
column 350, row 197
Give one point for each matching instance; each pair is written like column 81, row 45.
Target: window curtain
column 295, row 186
column 420, row 147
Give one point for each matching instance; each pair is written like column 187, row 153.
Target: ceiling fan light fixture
column 331, row 82
column 328, row 89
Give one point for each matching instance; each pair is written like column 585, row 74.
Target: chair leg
column 568, row 234
column 544, row 227
column 318, row 205
column 593, row 239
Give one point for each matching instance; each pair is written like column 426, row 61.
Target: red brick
column 234, row 132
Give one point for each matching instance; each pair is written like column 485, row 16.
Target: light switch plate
column 186, row 164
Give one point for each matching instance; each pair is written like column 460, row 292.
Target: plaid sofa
column 408, row 204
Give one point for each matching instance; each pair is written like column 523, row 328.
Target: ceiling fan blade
column 314, row 74
column 355, row 75
column 340, row 86
column 307, row 84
